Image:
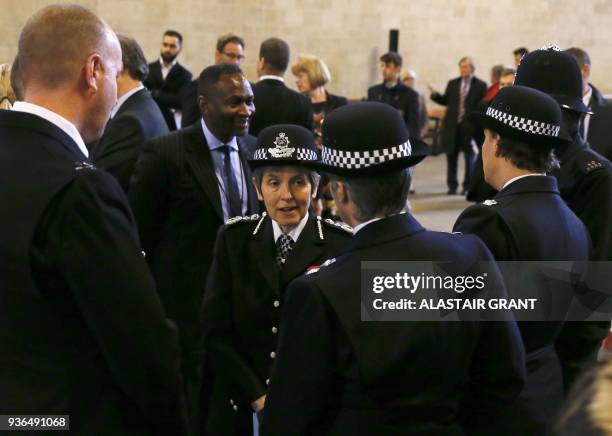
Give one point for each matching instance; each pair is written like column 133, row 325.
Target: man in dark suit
column 461, row 97
column 527, row 220
column 595, row 127
column 277, row 104
column 334, row 373
column 585, row 182
column 392, row 91
column 83, row 332
column 134, row 119
column 185, row 185
column 167, row 78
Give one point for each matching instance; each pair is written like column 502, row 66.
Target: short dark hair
column 276, row 53
column 392, row 57
column 134, row 61
column 470, row 60
column 581, row 56
column 210, row 76
column 521, row 51
column 175, row 34
column 506, row 71
column 380, row 195
column 227, row 39
column 527, row 157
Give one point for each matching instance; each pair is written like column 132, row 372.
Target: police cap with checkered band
column 285, row 144
column 368, row 138
column 524, row 114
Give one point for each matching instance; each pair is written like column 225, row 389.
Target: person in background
column 7, row 95
column 518, row 55
column 393, row 92
column 134, row 120
column 167, row 78
column 506, row 77
column 229, row 50
column 255, row 259
column 494, row 87
column 409, row 78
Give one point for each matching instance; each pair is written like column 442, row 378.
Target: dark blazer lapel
column 308, row 247
column 263, row 251
column 155, row 72
column 201, row 163
column 252, row 200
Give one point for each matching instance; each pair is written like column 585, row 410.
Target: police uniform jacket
column 242, row 305
column 82, row 331
column 335, row 374
column 402, row 98
column 528, row 221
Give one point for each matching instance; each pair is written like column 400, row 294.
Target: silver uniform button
column 272, row 354
column 267, row 381
column 276, row 303
column 231, row 402
column 274, row 330
column 235, row 408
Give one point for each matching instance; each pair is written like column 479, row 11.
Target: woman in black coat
column 255, row 259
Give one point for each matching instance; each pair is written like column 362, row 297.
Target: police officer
column 528, row 221
column 585, row 182
column 335, row 374
column 255, row 259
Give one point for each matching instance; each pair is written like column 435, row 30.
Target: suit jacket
column 175, row 198
column 450, row 99
column 529, row 221
column 189, row 102
column 598, row 134
column 242, row 306
column 166, row 93
column 365, row 378
column 82, row 330
column 277, row 104
column 137, row 120
column 402, row 98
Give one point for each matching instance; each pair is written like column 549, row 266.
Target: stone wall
column 350, row 36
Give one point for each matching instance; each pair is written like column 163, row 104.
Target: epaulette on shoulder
column 489, row 202
column 80, row 166
column 242, row 219
column 589, row 161
column 338, row 225
column 593, row 165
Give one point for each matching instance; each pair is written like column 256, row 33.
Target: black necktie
column 284, row 244
column 231, row 186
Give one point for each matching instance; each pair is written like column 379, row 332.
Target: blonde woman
column 7, row 96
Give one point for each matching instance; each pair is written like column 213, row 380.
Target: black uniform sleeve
column 411, row 112
column 91, row 240
column 302, row 383
column 148, row 194
column 217, row 322
column 118, row 149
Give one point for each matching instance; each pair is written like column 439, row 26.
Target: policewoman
column 255, row 259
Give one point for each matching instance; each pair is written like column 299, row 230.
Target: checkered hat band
column 303, row 154
column 524, row 124
column 363, row 159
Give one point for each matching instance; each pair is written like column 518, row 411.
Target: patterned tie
column 231, row 186
column 284, row 244
column 462, row 94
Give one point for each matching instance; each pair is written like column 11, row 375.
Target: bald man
column 82, row 331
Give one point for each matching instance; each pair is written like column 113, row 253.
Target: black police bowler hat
column 524, row 114
column 554, row 72
column 368, row 138
column 285, row 144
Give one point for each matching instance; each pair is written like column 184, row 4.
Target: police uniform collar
column 542, row 183
column 384, row 230
column 293, row 233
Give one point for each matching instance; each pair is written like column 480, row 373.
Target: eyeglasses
column 233, row 56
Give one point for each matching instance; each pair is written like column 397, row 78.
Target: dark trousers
column 463, row 138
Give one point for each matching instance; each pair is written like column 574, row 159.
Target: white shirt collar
column 52, row 117
column 213, row 142
column 514, row 179
column 123, row 99
column 294, row 233
column 586, row 98
column 270, row 76
column 360, row 226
